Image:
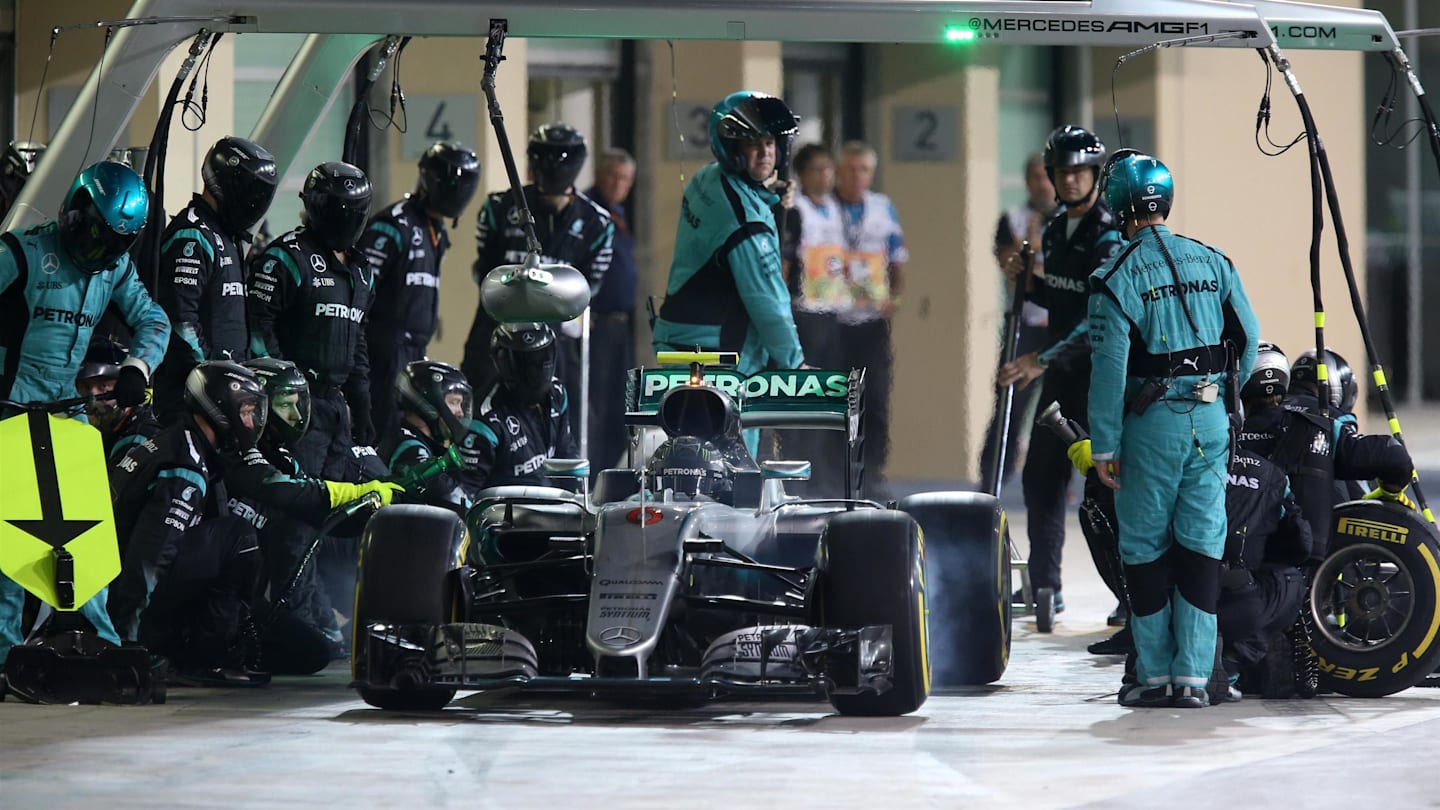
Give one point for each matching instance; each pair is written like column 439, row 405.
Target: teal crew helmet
column 748, row 116
column 1136, row 185
column 102, row 215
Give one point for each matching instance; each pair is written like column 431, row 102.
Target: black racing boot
column 1122, row 643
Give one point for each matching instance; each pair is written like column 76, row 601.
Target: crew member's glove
column 342, row 493
column 1383, row 494
column 130, row 387
column 1079, row 453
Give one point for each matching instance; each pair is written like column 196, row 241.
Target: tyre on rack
column 967, row 559
column 406, row 556
column 1375, row 600
column 870, row 570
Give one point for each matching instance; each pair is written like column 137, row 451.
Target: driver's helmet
column 690, row 466
column 288, row 391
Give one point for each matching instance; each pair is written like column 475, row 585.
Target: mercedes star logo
column 50, row 263
column 619, row 636
column 317, row 262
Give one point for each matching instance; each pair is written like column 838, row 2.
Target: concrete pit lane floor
column 1048, row 735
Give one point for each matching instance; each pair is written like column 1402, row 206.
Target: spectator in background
column 874, row 265
column 612, row 310
column 1023, row 223
column 813, row 250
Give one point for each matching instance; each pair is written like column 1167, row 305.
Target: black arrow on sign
column 52, row 527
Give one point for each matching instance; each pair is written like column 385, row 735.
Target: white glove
column 571, row 328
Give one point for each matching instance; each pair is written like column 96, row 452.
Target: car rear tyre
column 967, row 553
column 871, row 571
column 406, row 556
column 1375, row 601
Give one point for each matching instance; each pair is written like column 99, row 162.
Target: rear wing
column 828, row 399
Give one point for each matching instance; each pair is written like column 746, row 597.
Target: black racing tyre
column 871, row 571
column 1375, row 601
column 406, row 556
column 424, row 699
column 967, row 560
column 1045, row 610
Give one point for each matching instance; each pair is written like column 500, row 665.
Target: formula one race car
column 695, row 576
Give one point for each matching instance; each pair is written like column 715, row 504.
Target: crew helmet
column 1137, row 186
column 287, row 390
column 449, row 176
column 748, row 116
column 102, row 215
column 241, row 176
column 424, row 387
column 1271, row 375
column 225, row 393
column 337, row 204
column 557, row 153
column 1339, row 378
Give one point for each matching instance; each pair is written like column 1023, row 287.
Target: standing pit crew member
column 726, row 289
column 522, row 418
column 571, row 228
column 1167, row 317
column 405, row 244
column 1078, row 240
column 309, row 297
column 202, row 275
column 56, row 279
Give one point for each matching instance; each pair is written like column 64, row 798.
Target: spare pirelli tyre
column 1375, row 601
column 406, row 556
column 967, row 560
column 870, row 570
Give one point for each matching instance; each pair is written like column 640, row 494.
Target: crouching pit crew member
column 436, row 406
column 1167, row 315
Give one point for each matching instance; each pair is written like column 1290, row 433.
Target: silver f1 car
column 694, row 575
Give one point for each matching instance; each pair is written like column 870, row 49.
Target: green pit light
column 957, row 34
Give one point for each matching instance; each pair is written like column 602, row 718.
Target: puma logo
column 1192, row 363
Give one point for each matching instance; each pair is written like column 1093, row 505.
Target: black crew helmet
column 449, row 176
column 1339, row 378
column 689, row 465
column 423, row 387
column 557, row 154
column 282, row 380
column 16, row 165
column 746, row 116
column 1270, row 376
column 102, row 359
column 337, row 204
column 220, row 390
column 1070, row 146
column 524, row 355
column 241, row 176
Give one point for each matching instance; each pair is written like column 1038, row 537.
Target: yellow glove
column 342, row 493
column 1079, row 453
column 1383, row 494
